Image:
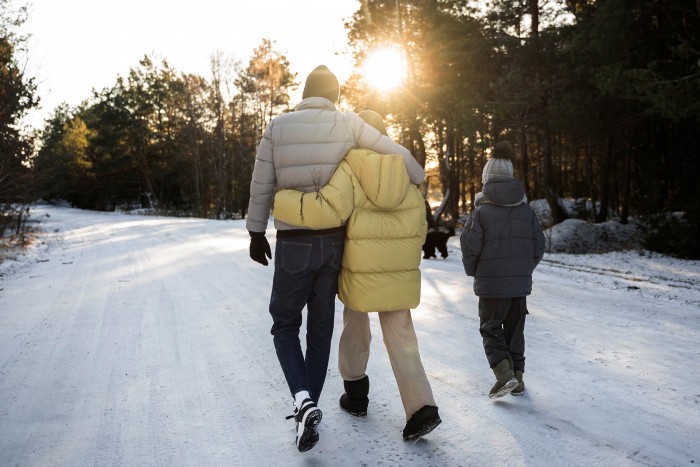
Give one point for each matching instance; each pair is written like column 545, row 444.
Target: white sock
column 299, row 398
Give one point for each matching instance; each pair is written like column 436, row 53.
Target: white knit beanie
column 497, row 168
column 500, row 164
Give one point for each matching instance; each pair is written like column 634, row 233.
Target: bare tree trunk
column 605, row 184
column 462, row 177
column 446, row 169
column 524, row 162
column 454, row 181
column 624, row 213
column 471, row 177
column 419, row 152
column 558, row 212
column 589, row 172
column 535, row 18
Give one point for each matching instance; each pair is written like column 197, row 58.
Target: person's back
column 502, row 243
column 507, row 254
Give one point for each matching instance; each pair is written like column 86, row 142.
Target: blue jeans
column 306, row 274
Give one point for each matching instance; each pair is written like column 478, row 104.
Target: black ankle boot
column 422, row 422
column 354, row 401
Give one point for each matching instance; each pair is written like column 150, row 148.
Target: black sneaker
column 421, row 423
column 307, row 417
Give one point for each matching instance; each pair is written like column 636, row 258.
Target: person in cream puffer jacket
column 386, row 227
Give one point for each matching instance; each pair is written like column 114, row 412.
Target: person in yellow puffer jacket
column 386, row 227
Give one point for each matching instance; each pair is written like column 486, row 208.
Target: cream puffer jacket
column 300, row 150
column 386, row 227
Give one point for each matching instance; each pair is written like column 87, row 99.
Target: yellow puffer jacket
column 386, row 227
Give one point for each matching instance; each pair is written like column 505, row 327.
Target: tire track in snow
column 117, row 348
column 107, row 446
column 656, row 285
column 223, row 401
column 214, row 399
column 35, row 378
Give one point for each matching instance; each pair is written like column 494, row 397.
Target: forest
column 600, row 99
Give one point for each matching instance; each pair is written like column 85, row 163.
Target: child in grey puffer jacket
column 502, row 243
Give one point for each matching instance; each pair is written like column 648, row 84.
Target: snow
column 144, row 341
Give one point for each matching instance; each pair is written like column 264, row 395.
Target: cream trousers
column 401, row 345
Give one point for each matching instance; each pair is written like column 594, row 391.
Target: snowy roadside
column 645, row 273
column 42, row 237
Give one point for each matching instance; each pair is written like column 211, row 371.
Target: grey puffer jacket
column 502, row 241
column 300, row 150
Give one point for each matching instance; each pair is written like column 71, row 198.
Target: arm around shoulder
column 369, row 138
column 416, row 173
column 329, row 207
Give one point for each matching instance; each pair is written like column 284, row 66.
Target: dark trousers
column 306, row 275
column 502, row 328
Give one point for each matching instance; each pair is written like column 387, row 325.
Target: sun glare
column 384, row 69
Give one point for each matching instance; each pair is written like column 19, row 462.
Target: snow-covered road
column 144, row 341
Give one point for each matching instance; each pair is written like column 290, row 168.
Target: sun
column 384, row 68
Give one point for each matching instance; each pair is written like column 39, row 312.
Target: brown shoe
column 505, row 380
column 520, row 388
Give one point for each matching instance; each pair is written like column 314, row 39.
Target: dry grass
column 12, row 246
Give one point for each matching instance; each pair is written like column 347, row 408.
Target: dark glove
column 259, row 248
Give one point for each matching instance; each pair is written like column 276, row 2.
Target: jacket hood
column 503, row 191
column 383, row 177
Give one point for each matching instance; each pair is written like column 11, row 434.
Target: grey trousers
column 502, row 328
column 401, row 345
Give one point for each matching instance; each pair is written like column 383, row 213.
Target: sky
column 78, row 45
column 131, row 340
